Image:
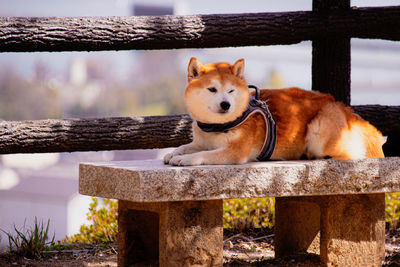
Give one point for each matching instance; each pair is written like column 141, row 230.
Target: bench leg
column 297, row 226
column 171, row 233
column 352, row 228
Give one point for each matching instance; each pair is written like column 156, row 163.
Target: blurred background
column 140, row 83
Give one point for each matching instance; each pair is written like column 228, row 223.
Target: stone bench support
column 172, row 216
column 170, row 233
column 346, row 230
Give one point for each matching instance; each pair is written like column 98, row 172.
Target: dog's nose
column 225, row 105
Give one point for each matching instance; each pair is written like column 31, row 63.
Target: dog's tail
column 374, row 142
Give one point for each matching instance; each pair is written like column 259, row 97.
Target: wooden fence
column 330, row 26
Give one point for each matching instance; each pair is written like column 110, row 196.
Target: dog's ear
column 195, row 69
column 238, row 68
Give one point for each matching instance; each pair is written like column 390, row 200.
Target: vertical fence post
column 331, row 62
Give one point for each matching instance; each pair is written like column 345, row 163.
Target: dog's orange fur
column 308, row 123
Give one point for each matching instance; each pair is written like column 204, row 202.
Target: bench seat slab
column 348, row 229
column 186, row 233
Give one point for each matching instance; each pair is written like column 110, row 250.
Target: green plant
column 29, row 243
column 392, row 209
column 104, row 224
column 241, row 214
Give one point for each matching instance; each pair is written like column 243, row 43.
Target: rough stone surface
column 353, row 230
column 170, row 233
column 174, row 214
column 297, row 226
column 138, row 236
column 349, row 229
column 152, row 181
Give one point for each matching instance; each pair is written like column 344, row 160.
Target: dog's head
column 216, row 93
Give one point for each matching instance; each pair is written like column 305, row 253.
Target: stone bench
column 173, row 215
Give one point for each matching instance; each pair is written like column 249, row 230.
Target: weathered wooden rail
column 200, row 31
column 71, row 135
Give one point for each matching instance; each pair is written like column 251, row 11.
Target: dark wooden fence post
column 331, row 62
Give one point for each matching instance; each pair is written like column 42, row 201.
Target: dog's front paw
column 185, row 160
column 168, row 157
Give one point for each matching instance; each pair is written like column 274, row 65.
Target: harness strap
column 255, row 105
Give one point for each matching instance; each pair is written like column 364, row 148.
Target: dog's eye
column 212, row 89
column 231, row 91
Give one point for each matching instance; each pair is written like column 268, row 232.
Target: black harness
column 255, row 105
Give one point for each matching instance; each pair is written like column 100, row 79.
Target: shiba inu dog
column 309, row 124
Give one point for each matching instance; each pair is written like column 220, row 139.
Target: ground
column 249, row 248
